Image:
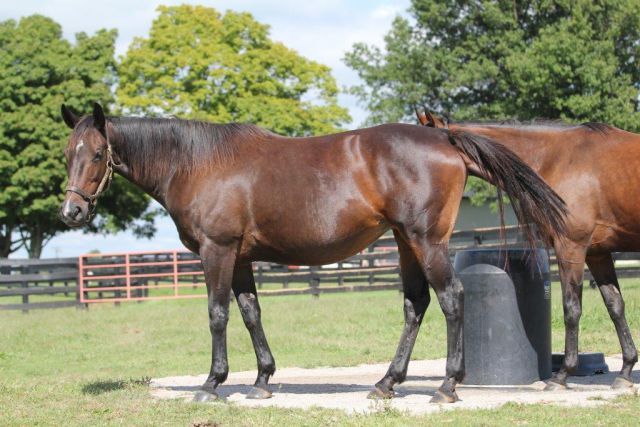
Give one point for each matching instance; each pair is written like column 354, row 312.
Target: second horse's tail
column 532, row 199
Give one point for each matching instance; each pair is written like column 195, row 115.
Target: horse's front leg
column 244, row 288
column 218, row 262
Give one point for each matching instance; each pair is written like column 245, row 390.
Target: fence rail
column 27, row 284
column 94, row 278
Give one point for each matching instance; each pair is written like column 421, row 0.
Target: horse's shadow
column 602, row 379
column 107, row 386
column 418, row 385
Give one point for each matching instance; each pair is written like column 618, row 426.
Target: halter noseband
column 92, row 199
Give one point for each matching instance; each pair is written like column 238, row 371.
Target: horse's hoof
column 621, row 383
column 258, row 393
column 206, row 396
column 378, row 393
column 442, row 397
column 554, row 386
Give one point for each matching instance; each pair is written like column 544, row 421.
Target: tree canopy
column 195, row 63
column 39, row 70
column 198, row 63
column 574, row 60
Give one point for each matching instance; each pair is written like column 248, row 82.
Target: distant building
column 471, row 216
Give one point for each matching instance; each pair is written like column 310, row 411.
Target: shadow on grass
column 100, row 387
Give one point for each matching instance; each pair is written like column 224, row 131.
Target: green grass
column 72, row 367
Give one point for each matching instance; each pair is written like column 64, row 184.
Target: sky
column 319, row 30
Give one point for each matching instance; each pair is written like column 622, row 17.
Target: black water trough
column 507, row 315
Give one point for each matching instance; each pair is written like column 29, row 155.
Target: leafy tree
column 198, row 63
column 575, row 60
column 39, row 70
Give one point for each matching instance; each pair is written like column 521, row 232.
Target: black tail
column 532, row 199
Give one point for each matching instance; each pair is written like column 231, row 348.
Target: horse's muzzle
column 73, row 214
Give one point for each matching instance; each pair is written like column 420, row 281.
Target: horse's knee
column 250, row 310
column 452, row 300
column 457, row 291
column 218, row 318
column 414, row 310
column 613, row 301
column 572, row 314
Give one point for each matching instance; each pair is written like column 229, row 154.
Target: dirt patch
column 347, row 389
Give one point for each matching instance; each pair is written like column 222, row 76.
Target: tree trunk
column 5, row 241
column 35, row 243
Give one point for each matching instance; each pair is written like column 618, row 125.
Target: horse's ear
column 422, row 118
column 69, row 118
column 431, row 121
column 98, row 116
column 439, row 122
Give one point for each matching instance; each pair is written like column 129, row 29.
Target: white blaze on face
column 79, row 146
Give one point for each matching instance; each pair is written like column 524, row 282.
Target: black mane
column 159, row 146
column 541, row 124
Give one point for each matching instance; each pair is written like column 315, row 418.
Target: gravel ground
column 347, row 389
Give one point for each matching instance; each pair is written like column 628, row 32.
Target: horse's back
column 318, row 200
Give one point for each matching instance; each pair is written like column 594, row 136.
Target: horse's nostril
column 77, row 211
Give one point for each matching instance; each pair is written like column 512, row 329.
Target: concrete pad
column 347, row 389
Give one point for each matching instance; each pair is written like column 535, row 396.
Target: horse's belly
column 312, row 248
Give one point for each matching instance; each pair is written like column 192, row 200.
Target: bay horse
column 594, row 168
column 239, row 194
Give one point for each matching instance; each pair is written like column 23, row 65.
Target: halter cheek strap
column 92, row 199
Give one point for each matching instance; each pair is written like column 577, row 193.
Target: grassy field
column 75, row 367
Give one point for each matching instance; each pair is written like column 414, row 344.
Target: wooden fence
column 50, row 283
column 38, row 283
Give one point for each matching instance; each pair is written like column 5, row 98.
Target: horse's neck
column 154, row 186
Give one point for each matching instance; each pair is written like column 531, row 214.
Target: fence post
column 260, row 276
column 128, row 275
column 80, row 284
column 175, row 273
column 25, row 286
column 315, row 287
column 314, row 283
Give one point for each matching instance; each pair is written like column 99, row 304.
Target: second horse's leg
column 244, row 288
column 571, row 262
column 604, row 273
column 416, row 301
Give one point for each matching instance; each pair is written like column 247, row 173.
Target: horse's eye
column 97, row 157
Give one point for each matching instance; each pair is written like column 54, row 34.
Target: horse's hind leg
column 433, row 256
column 244, row 288
column 416, row 301
column 571, row 258
column 602, row 269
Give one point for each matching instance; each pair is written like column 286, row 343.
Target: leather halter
column 92, row 199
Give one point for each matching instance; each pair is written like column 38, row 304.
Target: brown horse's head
column 89, row 165
column 427, row 118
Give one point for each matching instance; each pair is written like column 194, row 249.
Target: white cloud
column 386, row 12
